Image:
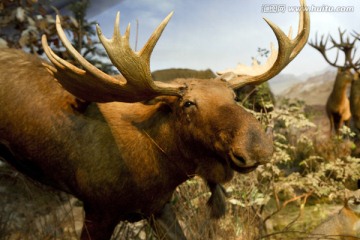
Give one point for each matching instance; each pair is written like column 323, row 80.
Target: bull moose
column 124, row 154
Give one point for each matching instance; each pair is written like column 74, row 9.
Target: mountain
column 314, row 91
column 281, row 82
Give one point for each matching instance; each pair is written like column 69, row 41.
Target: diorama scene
column 200, row 120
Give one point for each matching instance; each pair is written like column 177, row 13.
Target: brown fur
column 355, row 113
column 355, row 101
column 345, row 225
column 124, row 160
column 338, row 105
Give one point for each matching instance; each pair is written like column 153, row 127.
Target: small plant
column 301, row 167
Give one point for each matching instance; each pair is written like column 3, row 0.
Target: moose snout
column 256, row 150
column 242, row 163
column 241, row 159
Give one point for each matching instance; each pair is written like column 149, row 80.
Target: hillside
column 314, row 91
column 281, row 82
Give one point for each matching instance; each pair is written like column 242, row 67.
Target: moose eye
column 188, row 104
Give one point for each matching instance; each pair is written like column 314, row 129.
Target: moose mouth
column 236, row 163
column 242, row 169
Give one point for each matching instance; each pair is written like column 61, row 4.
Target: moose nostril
column 240, row 159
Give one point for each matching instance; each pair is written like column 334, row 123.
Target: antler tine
column 320, row 46
column 135, row 66
column 150, row 44
column 57, row 61
column 341, row 33
column 72, row 78
column 288, row 49
column 347, row 43
column 356, row 65
column 88, row 66
column 345, row 46
column 356, row 35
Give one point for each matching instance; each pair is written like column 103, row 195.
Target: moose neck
column 150, row 127
column 340, row 87
column 158, row 126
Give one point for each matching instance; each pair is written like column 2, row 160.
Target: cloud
column 159, row 6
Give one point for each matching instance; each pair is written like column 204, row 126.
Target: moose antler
column 347, row 47
column 288, row 49
column 321, row 47
column 91, row 84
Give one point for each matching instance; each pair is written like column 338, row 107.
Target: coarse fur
column 355, row 113
column 338, row 105
column 124, row 160
column 345, row 225
column 355, row 101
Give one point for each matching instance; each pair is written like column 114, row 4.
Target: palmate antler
column 91, row 84
column 288, row 49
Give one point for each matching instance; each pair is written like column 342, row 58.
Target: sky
column 220, row 34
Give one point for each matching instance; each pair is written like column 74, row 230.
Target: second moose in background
column 338, row 104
